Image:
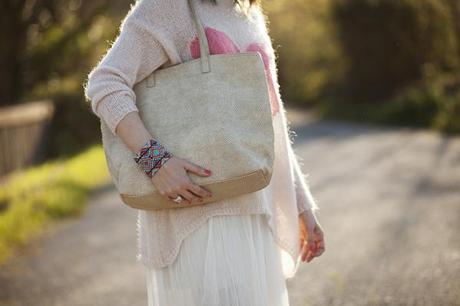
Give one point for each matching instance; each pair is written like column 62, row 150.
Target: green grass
column 32, row 198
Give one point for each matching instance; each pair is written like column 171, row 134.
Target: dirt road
column 390, row 207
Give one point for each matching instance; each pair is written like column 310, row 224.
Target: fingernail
column 208, row 172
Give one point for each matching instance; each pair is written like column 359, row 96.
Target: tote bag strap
column 204, row 47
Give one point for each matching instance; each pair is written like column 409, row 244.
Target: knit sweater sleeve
column 304, row 197
column 133, row 56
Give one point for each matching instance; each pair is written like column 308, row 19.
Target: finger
column 311, row 246
column 183, row 201
column 198, row 190
column 188, row 187
column 310, row 256
column 172, row 197
column 196, row 169
column 189, row 196
column 171, row 187
column 184, row 184
column 177, row 203
column 320, row 248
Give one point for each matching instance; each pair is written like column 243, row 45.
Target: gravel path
column 390, row 208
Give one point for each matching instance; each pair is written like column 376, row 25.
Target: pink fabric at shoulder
column 218, row 41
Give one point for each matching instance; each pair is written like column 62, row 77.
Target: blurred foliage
column 49, row 44
column 389, row 58
column 308, row 57
column 32, row 198
column 50, row 47
column 390, row 62
column 392, row 44
column 431, row 103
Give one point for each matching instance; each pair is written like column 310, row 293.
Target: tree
column 40, row 40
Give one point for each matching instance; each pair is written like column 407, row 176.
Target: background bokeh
column 390, row 62
column 394, row 62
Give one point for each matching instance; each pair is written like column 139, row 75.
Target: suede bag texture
column 213, row 111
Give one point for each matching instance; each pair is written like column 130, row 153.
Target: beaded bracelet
column 151, row 157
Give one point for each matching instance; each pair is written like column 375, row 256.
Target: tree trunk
column 13, row 37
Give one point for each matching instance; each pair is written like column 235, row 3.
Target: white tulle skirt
column 229, row 261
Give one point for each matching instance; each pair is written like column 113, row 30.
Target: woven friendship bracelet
column 151, row 157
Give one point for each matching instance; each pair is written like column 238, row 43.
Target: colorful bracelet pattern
column 151, row 157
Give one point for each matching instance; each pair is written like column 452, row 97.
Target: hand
column 172, row 180
column 311, row 236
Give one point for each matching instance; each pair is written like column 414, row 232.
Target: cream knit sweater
column 159, row 33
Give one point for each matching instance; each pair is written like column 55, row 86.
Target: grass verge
column 32, row 198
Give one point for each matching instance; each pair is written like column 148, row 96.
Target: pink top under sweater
column 159, row 33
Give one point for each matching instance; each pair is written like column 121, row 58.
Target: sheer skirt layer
column 232, row 260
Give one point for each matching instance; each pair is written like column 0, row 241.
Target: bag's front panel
column 220, row 120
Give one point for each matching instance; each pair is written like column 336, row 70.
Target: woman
column 237, row 251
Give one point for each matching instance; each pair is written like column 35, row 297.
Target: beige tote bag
column 213, row 111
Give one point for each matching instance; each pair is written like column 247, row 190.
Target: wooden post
column 22, row 134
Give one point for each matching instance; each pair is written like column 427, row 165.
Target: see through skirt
column 232, row 260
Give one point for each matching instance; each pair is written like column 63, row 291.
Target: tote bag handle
column 204, row 47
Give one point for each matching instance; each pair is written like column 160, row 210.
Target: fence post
column 23, row 130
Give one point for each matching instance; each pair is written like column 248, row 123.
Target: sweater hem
column 150, row 263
